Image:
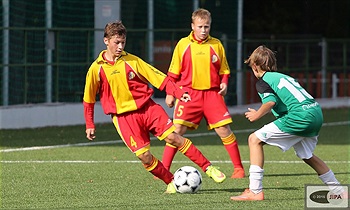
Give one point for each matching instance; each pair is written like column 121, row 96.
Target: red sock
column 168, row 155
column 157, row 169
column 193, row 153
column 231, row 146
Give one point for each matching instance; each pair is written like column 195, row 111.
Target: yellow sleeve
column 154, row 76
column 224, row 68
column 175, row 65
column 92, row 83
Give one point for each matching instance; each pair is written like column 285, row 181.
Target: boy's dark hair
column 114, row 28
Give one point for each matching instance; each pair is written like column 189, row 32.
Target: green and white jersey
column 296, row 110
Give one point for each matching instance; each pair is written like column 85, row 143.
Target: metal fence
column 28, row 77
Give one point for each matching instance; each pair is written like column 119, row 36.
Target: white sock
column 328, row 178
column 256, row 175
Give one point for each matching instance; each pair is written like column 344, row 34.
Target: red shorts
column 204, row 103
column 135, row 127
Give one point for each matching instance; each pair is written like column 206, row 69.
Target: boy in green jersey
column 298, row 121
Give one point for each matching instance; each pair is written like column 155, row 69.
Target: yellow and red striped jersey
column 123, row 85
column 199, row 65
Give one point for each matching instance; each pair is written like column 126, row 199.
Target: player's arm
column 170, row 99
column 89, row 99
column 89, row 120
column 253, row 115
column 172, row 89
column 224, row 71
column 224, row 84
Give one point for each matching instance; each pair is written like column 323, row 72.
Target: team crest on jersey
column 214, row 59
column 131, row 75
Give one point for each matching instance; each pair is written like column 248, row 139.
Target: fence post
column 239, row 53
column 49, row 37
column 5, row 49
column 324, row 66
column 334, row 85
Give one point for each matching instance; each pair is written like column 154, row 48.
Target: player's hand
column 251, row 114
column 223, row 89
column 185, row 97
column 90, row 133
column 170, row 101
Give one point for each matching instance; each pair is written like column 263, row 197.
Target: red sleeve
column 224, row 78
column 171, row 88
column 89, row 114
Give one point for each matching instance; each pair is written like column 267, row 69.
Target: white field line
column 93, row 143
column 138, row 162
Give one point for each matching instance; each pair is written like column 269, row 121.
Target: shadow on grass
column 240, row 190
column 299, row 174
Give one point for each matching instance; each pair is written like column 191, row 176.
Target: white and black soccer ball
column 187, row 179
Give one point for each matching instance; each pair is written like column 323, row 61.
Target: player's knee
column 180, row 129
column 146, row 157
column 253, row 140
column 174, row 139
column 223, row 131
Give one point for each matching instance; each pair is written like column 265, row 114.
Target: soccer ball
column 187, row 179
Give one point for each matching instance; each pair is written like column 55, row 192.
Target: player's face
column 201, row 28
column 115, row 45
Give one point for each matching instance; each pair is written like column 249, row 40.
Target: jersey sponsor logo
column 115, row 72
column 308, row 106
column 169, row 121
column 214, row 59
column 131, row 75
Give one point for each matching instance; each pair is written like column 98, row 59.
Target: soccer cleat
column 248, row 195
column 171, row 188
column 238, row 173
column 215, row 174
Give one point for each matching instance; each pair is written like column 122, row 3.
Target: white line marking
column 137, row 161
column 93, row 143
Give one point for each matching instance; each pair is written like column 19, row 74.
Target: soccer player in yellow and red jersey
column 122, row 82
column 200, row 67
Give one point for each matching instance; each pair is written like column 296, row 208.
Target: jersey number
column 294, row 88
column 179, row 111
column 132, row 142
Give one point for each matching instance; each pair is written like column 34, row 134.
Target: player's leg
column 220, row 120
column 269, row 134
column 186, row 147
column 155, row 167
column 136, row 137
column 186, row 115
column 170, row 150
column 256, row 171
column 304, row 150
column 228, row 139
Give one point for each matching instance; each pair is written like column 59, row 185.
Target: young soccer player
column 299, row 119
column 200, row 67
column 121, row 80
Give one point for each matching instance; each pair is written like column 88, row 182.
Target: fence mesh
column 72, row 47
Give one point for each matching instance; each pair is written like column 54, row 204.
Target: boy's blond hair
column 201, row 14
column 264, row 57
